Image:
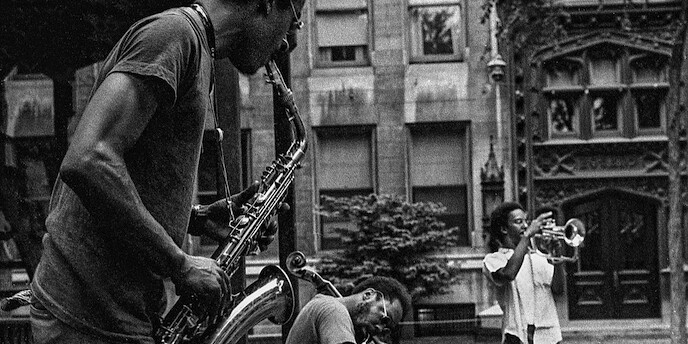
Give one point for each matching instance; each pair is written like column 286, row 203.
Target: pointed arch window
column 604, row 91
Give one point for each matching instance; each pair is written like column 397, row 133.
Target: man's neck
column 225, row 17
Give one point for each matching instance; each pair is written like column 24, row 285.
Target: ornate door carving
column 617, row 274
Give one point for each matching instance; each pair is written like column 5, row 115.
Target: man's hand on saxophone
column 203, row 279
column 212, row 220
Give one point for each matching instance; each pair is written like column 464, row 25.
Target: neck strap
column 209, row 30
column 210, row 37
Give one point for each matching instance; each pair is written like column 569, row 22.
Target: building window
column 444, row 319
column 563, row 73
column 439, row 171
column 604, row 67
column 344, row 168
column 649, row 89
column 562, row 112
column 342, row 33
column 563, row 92
column 437, row 33
column 649, row 108
column 595, row 93
column 605, row 110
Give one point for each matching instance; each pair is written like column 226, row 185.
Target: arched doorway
column 617, row 275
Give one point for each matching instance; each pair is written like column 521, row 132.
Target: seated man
column 377, row 305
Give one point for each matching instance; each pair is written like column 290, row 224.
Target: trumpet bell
column 572, row 233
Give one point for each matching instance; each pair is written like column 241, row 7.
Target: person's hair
column 392, row 289
column 498, row 220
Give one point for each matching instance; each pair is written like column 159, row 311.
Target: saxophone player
column 122, row 202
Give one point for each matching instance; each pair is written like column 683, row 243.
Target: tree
column 676, row 124
column 525, row 23
column 394, row 238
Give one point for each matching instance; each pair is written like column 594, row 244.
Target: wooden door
column 617, row 274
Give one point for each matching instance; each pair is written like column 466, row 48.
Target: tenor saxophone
column 271, row 296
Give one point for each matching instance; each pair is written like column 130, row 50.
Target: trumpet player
column 122, row 202
column 525, row 280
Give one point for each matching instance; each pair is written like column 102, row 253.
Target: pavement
column 619, row 336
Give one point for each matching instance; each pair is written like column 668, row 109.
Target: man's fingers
column 245, row 195
column 264, row 242
column 271, row 227
column 283, row 207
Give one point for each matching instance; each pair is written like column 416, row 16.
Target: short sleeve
column 334, row 324
column 493, row 262
column 160, row 46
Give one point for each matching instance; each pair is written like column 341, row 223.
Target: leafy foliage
column 393, row 238
column 523, row 23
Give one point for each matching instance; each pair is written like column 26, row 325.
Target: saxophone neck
column 286, row 97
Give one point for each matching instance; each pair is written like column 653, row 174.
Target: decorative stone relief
column 556, row 191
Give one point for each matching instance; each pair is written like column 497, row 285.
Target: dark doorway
column 617, row 274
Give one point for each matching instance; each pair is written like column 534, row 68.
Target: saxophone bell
column 270, row 297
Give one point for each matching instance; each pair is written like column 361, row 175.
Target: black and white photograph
column 343, row 171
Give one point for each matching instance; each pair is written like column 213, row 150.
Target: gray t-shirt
column 323, row 320
column 87, row 278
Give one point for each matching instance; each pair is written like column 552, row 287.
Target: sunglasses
column 385, row 320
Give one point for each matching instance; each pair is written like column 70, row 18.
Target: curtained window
column 440, row 170
column 344, row 169
column 342, row 32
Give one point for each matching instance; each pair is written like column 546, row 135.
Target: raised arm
column 508, row 273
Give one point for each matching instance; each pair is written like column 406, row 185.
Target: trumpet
column 572, row 233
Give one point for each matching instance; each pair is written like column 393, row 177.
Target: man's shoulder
column 174, row 20
column 325, row 304
column 325, row 299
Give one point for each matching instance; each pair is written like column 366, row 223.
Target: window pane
column 438, row 158
column 454, row 198
column 340, row 4
column 648, row 107
column 344, row 169
column 435, row 32
column 344, row 160
column 347, row 53
column 436, row 25
column 342, row 29
column 562, row 73
column 562, row 115
column 651, row 69
column 604, row 111
column 603, row 71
